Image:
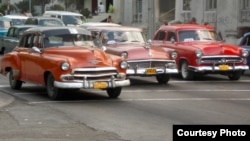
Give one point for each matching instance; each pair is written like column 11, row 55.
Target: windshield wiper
column 207, row 38
column 134, row 41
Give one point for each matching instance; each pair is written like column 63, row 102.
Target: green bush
column 57, row 7
column 85, row 12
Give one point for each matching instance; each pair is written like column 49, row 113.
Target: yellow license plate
column 150, row 71
column 100, row 85
column 223, row 67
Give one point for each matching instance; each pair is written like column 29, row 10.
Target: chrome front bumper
column 90, row 84
column 143, row 71
column 217, row 68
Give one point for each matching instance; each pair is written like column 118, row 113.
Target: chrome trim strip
column 216, row 68
column 142, row 71
column 89, row 84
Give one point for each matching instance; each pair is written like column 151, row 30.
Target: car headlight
column 124, row 64
column 174, row 55
column 65, row 66
column 245, row 53
column 124, row 55
column 198, row 53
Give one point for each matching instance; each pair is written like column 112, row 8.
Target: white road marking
column 162, row 99
column 209, row 90
column 171, row 81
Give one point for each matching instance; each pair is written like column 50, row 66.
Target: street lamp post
column 8, row 8
column 30, row 5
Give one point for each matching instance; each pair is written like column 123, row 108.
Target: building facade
column 231, row 18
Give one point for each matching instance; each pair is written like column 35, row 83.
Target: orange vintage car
column 200, row 51
column 63, row 58
column 143, row 59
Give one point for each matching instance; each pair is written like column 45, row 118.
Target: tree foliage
column 23, row 6
column 57, row 7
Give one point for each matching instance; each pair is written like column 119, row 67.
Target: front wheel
column 235, row 75
column 14, row 84
column 114, row 92
column 185, row 73
column 163, row 78
column 53, row 92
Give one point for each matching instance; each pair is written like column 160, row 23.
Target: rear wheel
column 185, row 73
column 163, row 78
column 53, row 92
column 2, row 50
column 14, row 84
column 235, row 75
column 114, row 92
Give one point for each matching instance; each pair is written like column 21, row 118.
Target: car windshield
column 18, row 21
column 198, row 35
column 72, row 20
column 68, row 40
column 50, row 22
column 123, row 37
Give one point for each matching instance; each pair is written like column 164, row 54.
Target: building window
column 186, row 5
column 138, row 11
column 211, row 4
column 246, row 4
column 138, row 6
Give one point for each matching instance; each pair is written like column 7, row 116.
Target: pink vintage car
column 200, row 50
column 143, row 59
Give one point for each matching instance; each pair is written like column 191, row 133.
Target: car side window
column 10, row 32
column 171, row 36
column 31, row 21
column 16, row 32
column 27, row 41
column 160, row 35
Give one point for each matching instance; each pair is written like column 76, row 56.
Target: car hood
column 138, row 51
column 80, row 56
column 215, row 48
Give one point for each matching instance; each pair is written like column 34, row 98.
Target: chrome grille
column 148, row 64
column 221, row 60
column 91, row 74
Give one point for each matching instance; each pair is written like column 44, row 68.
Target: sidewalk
column 5, row 99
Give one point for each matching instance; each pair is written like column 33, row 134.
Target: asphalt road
column 145, row 111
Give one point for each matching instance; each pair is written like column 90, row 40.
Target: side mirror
column 172, row 40
column 36, row 49
column 149, row 41
column 104, row 48
column 148, row 44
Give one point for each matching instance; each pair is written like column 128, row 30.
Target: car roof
column 185, row 27
column 63, row 13
column 115, row 28
column 4, row 19
column 95, row 24
column 72, row 29
column 15, row 17
column 42, row 17
column 23, row 26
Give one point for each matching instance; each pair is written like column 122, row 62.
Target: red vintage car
column 143, row 59
column 62, row 58
column 200, row 50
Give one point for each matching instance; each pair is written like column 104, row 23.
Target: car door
column 33, row 61
column 13, row 39
column 23, row 55
column 6, row 41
